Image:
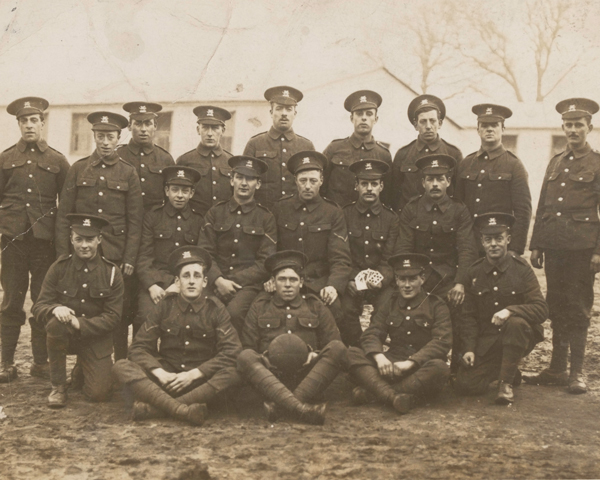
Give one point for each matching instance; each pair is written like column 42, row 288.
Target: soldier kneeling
column 198, row 347
column 312, row 337
column 414, row 368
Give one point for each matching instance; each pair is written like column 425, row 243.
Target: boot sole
column 403, row 403
column 197, row 416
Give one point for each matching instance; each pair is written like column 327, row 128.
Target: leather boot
column 505, row 394
column 556, row 374
column 58, row 397
column 360, row 396
column 578, row 340
column 40, row 371
column 8, row 372
column 202, row 394
column 38, row 342
column 317, row 380
column 76, row 381
column 369, row 378
column 511, row 356
column 271, row 388
column 145, row 411
column 9, row 337
column 147, row 391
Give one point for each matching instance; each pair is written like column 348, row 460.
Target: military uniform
column 110, row 187
column 149, row 162
column 305, row 317
column 239, row 238
column 419, row 329
column 93, row 289
column 373, row 230
column 31, row 177
column 181, row 335
column 405, row 173
column 511, row 285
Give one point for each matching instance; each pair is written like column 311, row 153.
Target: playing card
column 361, row 280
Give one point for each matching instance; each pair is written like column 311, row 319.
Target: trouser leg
column 475, row 380
column 57, row 338
column 577, row 340
column 145, row 306
column 352, row 306
column 560, row 351
column 121, row 333
column 365, row 373
column 330, row 361
column 222, row 380
column 426, row 382
column 97, row 375
column 239, row 305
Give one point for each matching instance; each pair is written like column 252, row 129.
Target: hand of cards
column 368, row 275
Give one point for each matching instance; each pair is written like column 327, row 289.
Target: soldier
column 372, row 231
column 315, row 226
column 80, row 305
column 239, row 235
column 494, row 179
column 278, row 145
column 31, row 177
column 426, row 113
column 148, row 159
column 105, row 184
column 414, row 368
column 438, row 226
column 301, row 321
column 198, row 348
column 566, row 234
column 209, row 159
column 339, row 182
column 165, row 228
column 502, row 316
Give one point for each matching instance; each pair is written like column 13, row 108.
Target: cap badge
column 210, row 112
column 406, row 263
column 27, row 105
column 492, row 221
column 424, row 101
column 104, row 120
column 286, row 93
column 305, row 160
column 186, row 255
column 435, row 163
column 87, row 222
column 249, row 164
column 369, row 166
column 180, row 173
column 489, row 111
column 142, row 108
column 571, row 108
column 363, row 99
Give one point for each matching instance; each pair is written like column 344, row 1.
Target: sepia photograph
column 299, row 239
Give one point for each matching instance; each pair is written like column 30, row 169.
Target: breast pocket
column 269, row 324
column 116, row 196
column 46, row 175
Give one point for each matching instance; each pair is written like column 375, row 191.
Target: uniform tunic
column 165, row 229
column 406, row 176
column 149, row 161
column 496, row 181
column 567, row 230
column 31, row 177
column 339, row 181
column 276, row 148
column 318, row 230
column 442, row 230
column 194, row 334
column 215, row 184
column 108, row 187
column 490, row 288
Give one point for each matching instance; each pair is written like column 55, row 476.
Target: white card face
column 361, row 280
column 374, row 277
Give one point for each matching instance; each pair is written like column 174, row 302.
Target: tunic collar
column 172, row 211
column 502, row 265
column 206, row 151
column 276, row 134
column 442, row 204
column 90, row 264
column 374, row 208
column 433, row 146
column 413, row 303
column 41, row 144
column 357, row 142
column 280, row 303
column 136, row 148
column 245, row 208
column 310, row 206
column 499, row 150
column 579, row 153
column 112, row 159
column 196, row 304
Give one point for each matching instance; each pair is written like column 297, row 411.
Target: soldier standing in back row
column 141, row 152
column 339, row 182
column 494, row 179
column 31, row 177
column 276, row 146
column 426, row 113
column 209, row 159
column 566, row 235
column 105, row 184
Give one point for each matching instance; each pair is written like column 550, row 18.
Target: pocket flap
column 225, row 171
column 309, row 322
column 265, row 153
column 408, row 168
column 319, row 228
column 269, row 322
column 584, row 177
column 163, row 234
column 155, row 169
column 448, row 228
column 250, row 230
column 86, row 182
column 379, row 236
column 117, row 185
column 222, row 227
column 394, row 320
column 585, row 217
column 96, row 292
column 170, row 328
column 355, row 232
column 49, row 168
column 191, row 239
column 201, row 333
column 500, row 176
column 290, row 225
column 18, row 162
column 118, row 229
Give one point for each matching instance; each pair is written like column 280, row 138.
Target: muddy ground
column 547, row 433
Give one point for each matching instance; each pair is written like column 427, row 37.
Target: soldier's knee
column 99, row 393
column 468, row 384
column 126, row 371
column 246, row 359
column 517, row 323
column 55, row 328
column 437, row 367
column 337, row 352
